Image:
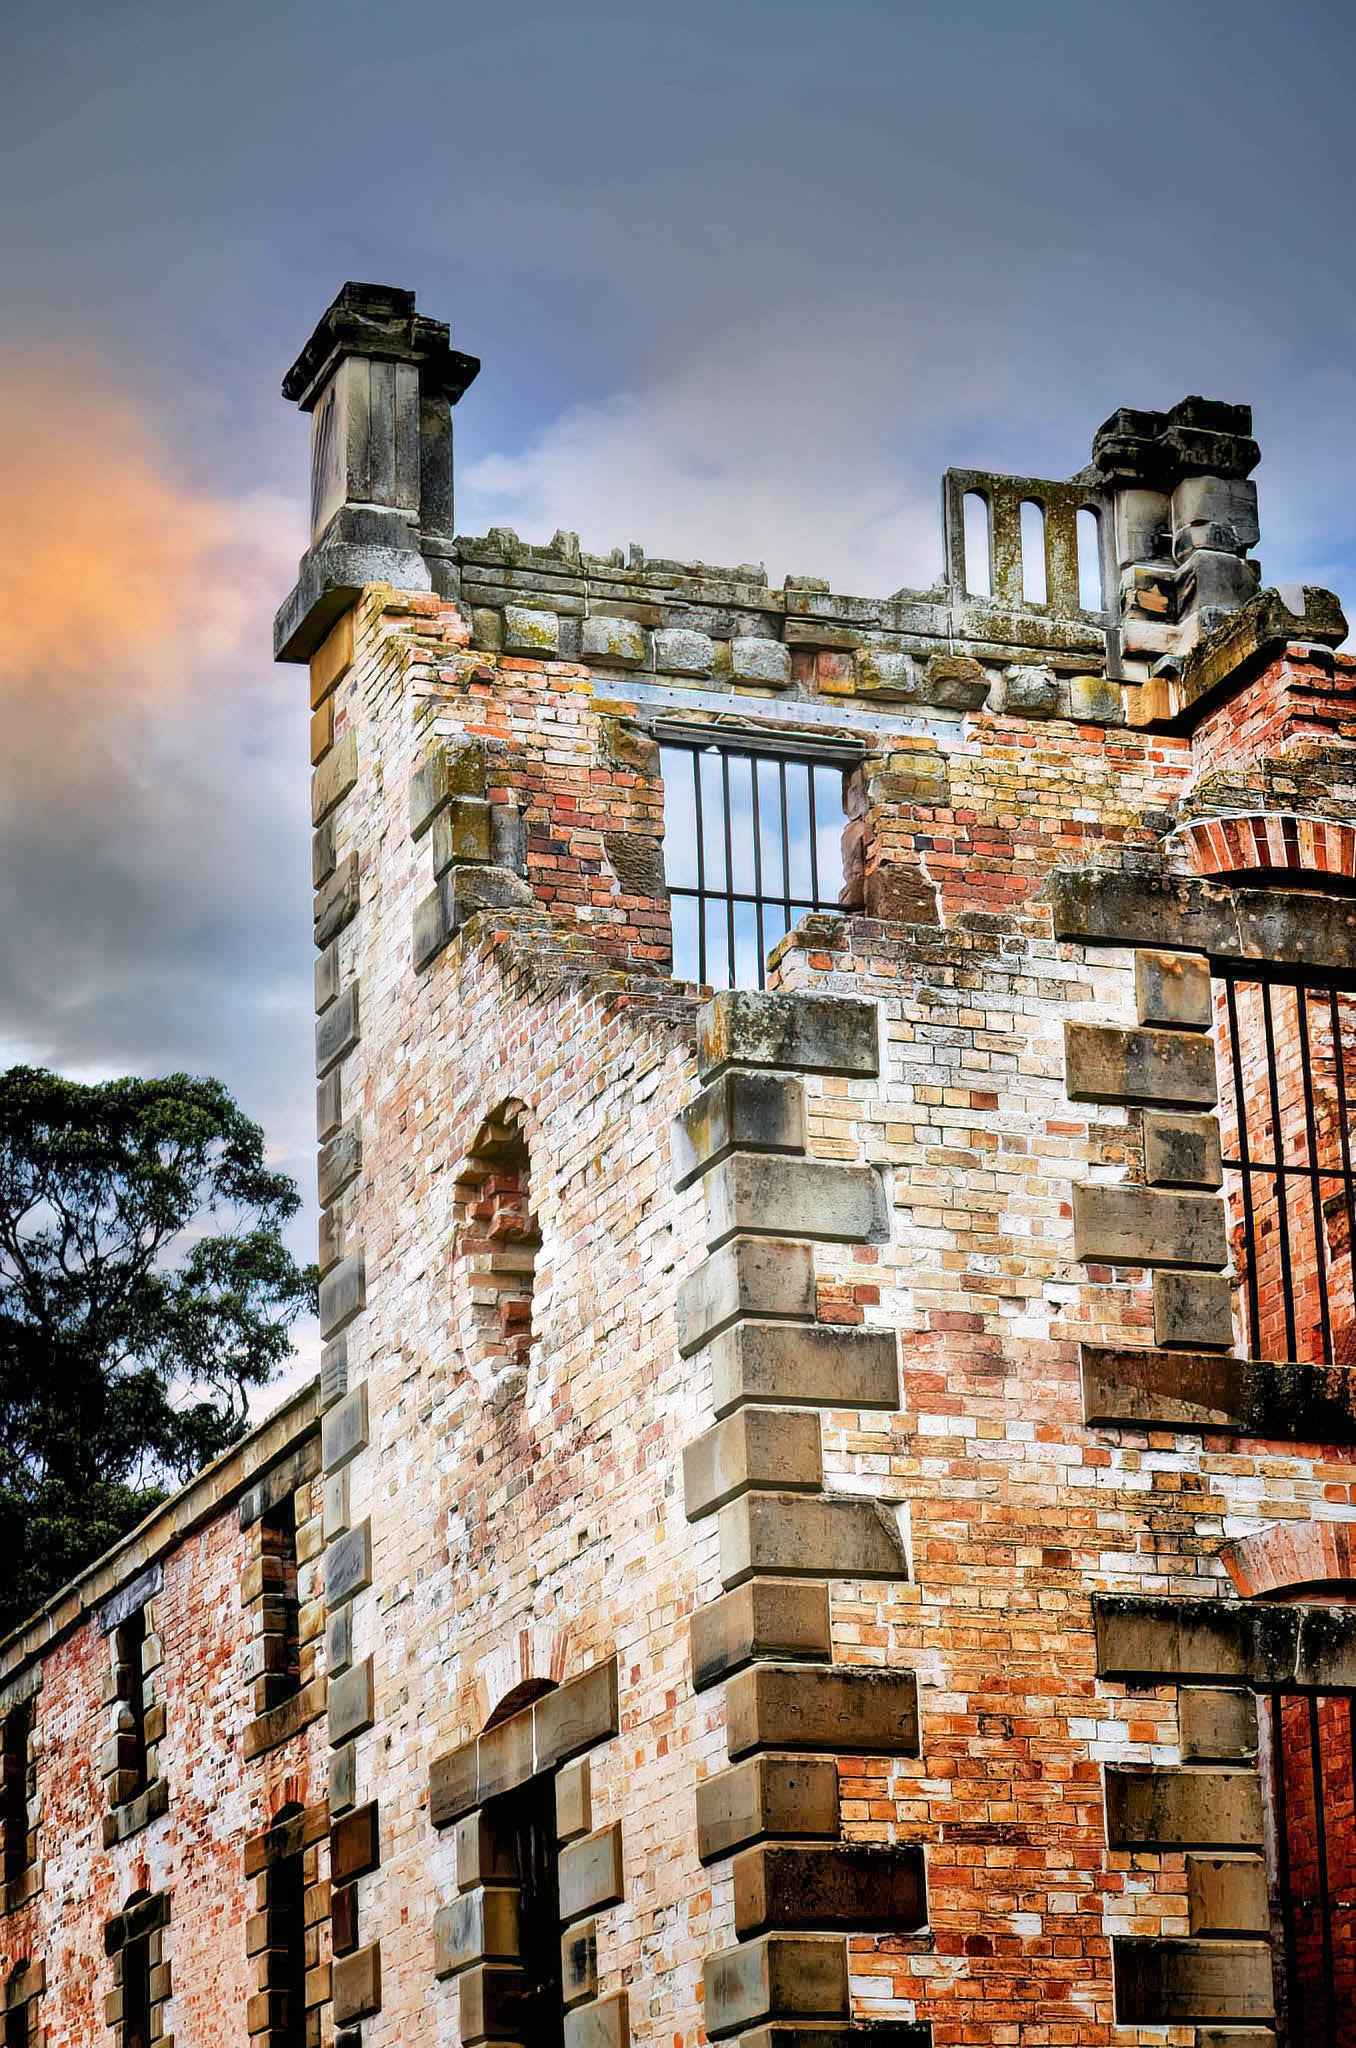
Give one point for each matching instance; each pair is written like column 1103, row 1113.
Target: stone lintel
column 1141, row 1386
column 1288, row 927
column 1159, row 1641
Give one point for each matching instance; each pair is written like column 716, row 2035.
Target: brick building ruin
column 827, row 1514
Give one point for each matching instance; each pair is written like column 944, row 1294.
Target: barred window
column 1288, row 1095
column 752, row 843
column 1308, row 1741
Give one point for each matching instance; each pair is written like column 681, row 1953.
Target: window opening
column 17, row 1726
column 1033, row 553
column 16, row 2026
column 978, row 545
column 1091, row 590
column 1308, row 1744
column 131, row 1648
column 498, row 1240
column 136, row 1993
column 523, row 1826
column 285, row 1893
column 1290, row 1163
column 281, row 1606
column 752, row 843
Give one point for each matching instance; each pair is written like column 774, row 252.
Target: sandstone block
column 340, row 1160
column 478, row 1927
column 352, row 1703
column 504, row 1756
column 748, row 1276
column 343, row 1429
column 333, row 659
column 1030, row 692
column 767, row 1795
column 955, row 682
column 739, row 1110
column 591, row 1874
column 853, row 1712
column 761, row 1028
column 1163, row 1641
column 1227, row 1894
column 493, row 2004
column 574, row 1804
column 679, row 651
column 1327, row 1648
column 343, row 1294
column 336, row 905
column 575, row 1716
column 579, row 1962
column 1173, row 990
column 811, row 1536
column 604, row 2024
column 1172, row 1983
column 879, row 2034
column 1217, row 1724
column 354, row 1845
column 781, row 1976
column 484, row 1854
column 326, row 978
column 612, row 643
column 1103, row 1063
column 528, row 631
column 757, row 661
column 323, row 853
column 1163, row 1807
column 454, row 1785
column 343, row 1778
column 1182, row 1150
column 356, row 1984
column 450, row 771
column 461, row 832
column 1095, row 700
column 334, row 776
column 884, row 672
column 1134, row 1226
column 1193, row 1309
column 819, row 1366
column 1206, row 1390
column 337, row 1032
column 461, row 893
column 754, row 1447
column 348, row 1564
column 777, row 1619
column 328, row 1109
column 853, row 1886
column 796, row 1198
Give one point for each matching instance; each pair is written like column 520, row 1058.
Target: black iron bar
column 729, row 865
column 814, row 849
column 1294, row 1990
column 786, row 847
column 1321, row 1847
column 757, row 863
column 1245, row 1166
column 1315, row 1188
column 1278, row 1179
column 1348, row 1183
column 701, row 867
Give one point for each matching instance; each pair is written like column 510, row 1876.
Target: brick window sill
column 267, row 1730
column 135, row 1814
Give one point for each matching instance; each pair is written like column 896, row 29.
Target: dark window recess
column 523, row 1823
column 14, row 1736
column 752, row 843
column 16, row 2026
column 285, row 1892
column 1288, row 1097
column 281, row 1609
column 131, row 1656
column 136, row 1994
column 1308, row 1751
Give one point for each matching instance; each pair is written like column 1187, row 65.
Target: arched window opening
column 978, row 545
column 1091, row 589
column 135, row 1958
column 1033, row 553
column 285, row 1905
column 497, row 1243
column 129, row 1656
column 281, row 1607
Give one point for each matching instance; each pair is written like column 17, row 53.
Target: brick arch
column 529, row 1662
column 1268, row 841
column 1291, row 1555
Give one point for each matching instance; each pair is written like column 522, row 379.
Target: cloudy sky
column 745, row 277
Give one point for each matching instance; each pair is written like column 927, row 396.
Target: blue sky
column 744, row 278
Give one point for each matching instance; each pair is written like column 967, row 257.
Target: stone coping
column 204, row 1496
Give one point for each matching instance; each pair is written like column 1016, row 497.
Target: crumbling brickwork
column 804, row 1552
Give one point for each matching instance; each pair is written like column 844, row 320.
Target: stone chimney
column 379, row 381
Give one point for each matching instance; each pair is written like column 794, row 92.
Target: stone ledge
column 1292, row 927
column 1142, row 1387
column 1159, row 1641
column 268, row 1730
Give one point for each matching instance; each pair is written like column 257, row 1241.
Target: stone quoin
column 825, row 1515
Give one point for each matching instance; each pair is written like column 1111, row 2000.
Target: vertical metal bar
column 1278, row 1174
column 1245, row 1174
column 729, row 870
column 1324, row 1892
column 758, row 869
column 1348, row 1186
column 786, row 846
column 1315, row 1190
column 701, row 864
column 814, row 845
column 1294, row 1993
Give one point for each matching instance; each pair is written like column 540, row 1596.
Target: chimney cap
column 380, row 321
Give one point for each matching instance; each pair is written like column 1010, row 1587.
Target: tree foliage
column 144, row 1290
